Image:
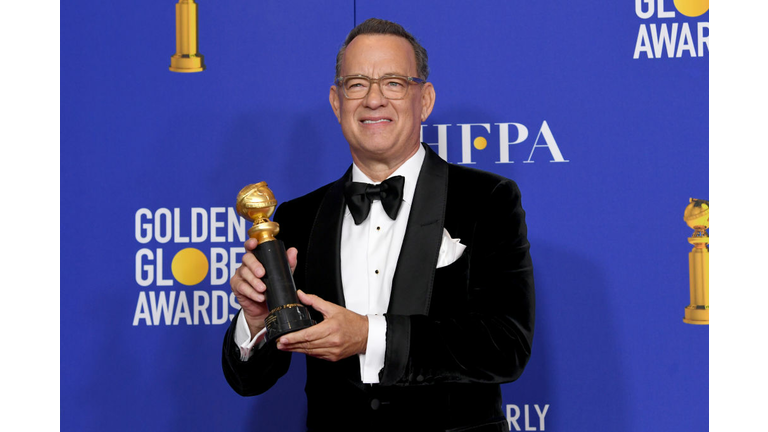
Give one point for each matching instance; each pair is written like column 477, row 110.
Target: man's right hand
column 249, row 288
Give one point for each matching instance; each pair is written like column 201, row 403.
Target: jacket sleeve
column 480, row 325
column 259, row 373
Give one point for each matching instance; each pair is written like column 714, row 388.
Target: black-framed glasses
column 392, row 86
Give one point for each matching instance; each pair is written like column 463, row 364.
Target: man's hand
column 250, row 290
column 341, row 334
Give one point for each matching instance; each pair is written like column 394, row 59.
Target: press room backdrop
column 598, row 110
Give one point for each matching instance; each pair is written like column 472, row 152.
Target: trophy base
column 187, row 63
column 696, row 315
column 289, row 318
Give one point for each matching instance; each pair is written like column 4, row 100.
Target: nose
column 375, row 98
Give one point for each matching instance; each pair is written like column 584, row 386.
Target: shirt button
column 376, row 271
column 378, row 228
column 375, row 404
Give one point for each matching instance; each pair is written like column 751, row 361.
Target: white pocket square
column 450, row 250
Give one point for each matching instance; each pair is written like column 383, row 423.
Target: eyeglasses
column 392, row 86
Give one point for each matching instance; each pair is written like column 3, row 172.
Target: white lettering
column 177, row 237
column 639, row 8
column 541, row 415
column 163, row 213
column 182, row 309
column 236, row 225
column 159, row 271
column 143, row 229
column 215, row 223
column 171, row 307
column 643, row 43
column 528, row 419
column 703, row 39
column 161, row 307
column 669, row 40
column 522, row 135
column 219, row 273
column 512, row 418
column 219, row 304
column 664, row 39
column 663, row 13
column 686, row 42
column 442, row 140
column 466, row 140
column 551, row 144
column 165, row 226
column 142, row 310
column 200, row 308
column 199, row 230
column 141, row 267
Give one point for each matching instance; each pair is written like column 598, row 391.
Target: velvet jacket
column 453, row 334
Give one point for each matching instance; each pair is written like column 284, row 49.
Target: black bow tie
column 360, row 195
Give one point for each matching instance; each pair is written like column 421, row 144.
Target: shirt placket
column 377, row 246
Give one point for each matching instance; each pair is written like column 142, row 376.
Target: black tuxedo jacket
column 453, row 334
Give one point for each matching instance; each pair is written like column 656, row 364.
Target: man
column 424, row 306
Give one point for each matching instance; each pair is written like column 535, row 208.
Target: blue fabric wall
column 617, row 142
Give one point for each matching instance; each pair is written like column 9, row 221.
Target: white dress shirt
column 369, row 254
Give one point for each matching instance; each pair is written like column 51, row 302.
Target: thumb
column 292, row 255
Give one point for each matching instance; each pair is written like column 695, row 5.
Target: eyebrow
column 384, row 74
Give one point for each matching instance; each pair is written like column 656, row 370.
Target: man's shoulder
column 297, row 216
column 480, row 181
column 305, row 205
column 311, row 199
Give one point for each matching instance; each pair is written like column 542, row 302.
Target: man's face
column 379, row 129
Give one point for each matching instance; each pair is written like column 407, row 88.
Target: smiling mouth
column 376, row 121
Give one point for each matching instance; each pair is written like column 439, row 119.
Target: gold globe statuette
column 256, row 203
column 187, row 57
column 697, row 217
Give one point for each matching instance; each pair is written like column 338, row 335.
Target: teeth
column 376, row 121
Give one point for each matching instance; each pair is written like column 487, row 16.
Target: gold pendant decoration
column 697, row 217
column 186, row 59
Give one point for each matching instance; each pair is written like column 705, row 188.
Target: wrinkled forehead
column 376, row 55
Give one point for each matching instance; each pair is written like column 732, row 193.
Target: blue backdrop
column 598, row 110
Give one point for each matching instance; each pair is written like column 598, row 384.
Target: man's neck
column 379, row 170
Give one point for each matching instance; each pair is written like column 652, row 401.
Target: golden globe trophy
column 187, row 57
column 256, row 203
column 697, row 217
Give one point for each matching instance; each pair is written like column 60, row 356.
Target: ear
column 427, row 100
column 333, row 97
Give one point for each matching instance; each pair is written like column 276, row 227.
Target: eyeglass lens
column 391, row 87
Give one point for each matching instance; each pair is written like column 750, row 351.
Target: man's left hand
column 341, row 334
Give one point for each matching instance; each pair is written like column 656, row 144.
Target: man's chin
column 386, row 151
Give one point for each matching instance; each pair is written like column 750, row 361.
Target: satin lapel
column 412, row 283
column 323, row 259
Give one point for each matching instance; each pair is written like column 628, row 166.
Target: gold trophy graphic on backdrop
column 256, row 203
column 186, row 59
column 697, row 217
